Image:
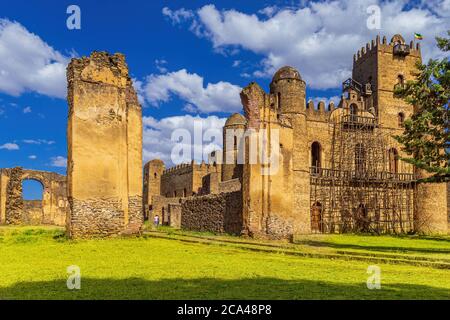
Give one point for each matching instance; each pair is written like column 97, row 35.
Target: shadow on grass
column 208, row 288
column 316, row 243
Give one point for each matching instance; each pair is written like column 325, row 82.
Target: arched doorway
column 32, row 197
column 316, row 218
column 393, row 160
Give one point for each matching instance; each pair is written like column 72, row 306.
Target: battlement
column 190, row 167
column 396, row 46
column 320, row 108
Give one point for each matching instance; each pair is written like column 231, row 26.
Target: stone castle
column 337, row 168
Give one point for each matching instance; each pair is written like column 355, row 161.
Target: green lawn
column 34, row 260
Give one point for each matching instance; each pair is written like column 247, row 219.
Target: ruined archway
column 15, row 210
column 32, row 198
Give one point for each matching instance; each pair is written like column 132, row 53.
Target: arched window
column 400, row 81
column 393, row 160
column 279, row 101
column 360, row 159
column 316, row 161
column 401, row 119
column 155, row 175
column 353, row 112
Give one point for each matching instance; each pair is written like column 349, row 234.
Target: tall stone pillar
column 104, row 133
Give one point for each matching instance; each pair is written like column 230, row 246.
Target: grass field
column 34, row 261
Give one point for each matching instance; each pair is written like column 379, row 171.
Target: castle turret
column 289, row 90
column 232, row 131
column 152, row 182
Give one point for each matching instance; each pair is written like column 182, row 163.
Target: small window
column 400, row 81
column 155, row 175
column 401, row 119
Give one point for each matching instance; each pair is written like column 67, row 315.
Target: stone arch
column 54, row 204
column 33, row 209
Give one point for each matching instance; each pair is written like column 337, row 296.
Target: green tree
column 426, row 139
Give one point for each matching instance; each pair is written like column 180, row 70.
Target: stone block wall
column 175, row 215
column 160, row 207
column 230, row 185
column 53, row 207
column 219, row 213
column 104, row 170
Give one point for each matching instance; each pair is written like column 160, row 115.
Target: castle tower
column 384, row 66
column 237, row 123
column 104, row 135
column 152, row 182
column 289, row 91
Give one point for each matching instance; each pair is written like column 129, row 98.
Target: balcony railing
column 401, row 49
column 354, row 121
column 346, row 175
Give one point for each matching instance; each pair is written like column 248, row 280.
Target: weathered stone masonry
column 52, row 209
column 104, row 148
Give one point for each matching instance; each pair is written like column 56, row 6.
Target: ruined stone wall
column 185, row 180
column 230, row 186
column 104, row 148
column 14, row 210
column 219, row 213
column 160, row 207
column 32, row 212
column 175, row 215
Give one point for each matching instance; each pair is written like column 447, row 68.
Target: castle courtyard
column 33, row 263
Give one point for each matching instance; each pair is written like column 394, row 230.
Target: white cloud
column 27, row 110
column 177, row 16
column 326, row 100
column 10, row 146
column 158, row 136
column 27, row 63
column 160, row 65
column 38, row 141
column 32, row 157
column 318, row 38
column 214, row 97
column 58, row 161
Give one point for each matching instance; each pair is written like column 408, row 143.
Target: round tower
column 289, row 90
column 233, row 130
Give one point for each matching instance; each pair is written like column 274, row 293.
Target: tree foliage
column 426, row 139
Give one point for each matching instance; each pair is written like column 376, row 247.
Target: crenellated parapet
column 192, row 166
column 397, row 46
column 319, row 112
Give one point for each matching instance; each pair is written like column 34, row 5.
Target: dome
column 157, row 162
column 397, row 39
column 235, row 119
column 286, row 73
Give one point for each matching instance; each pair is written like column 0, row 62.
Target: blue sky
column 189, row 59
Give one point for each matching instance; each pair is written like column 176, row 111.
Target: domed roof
column 235, row 119
column 286, row 72
column 397, row 38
